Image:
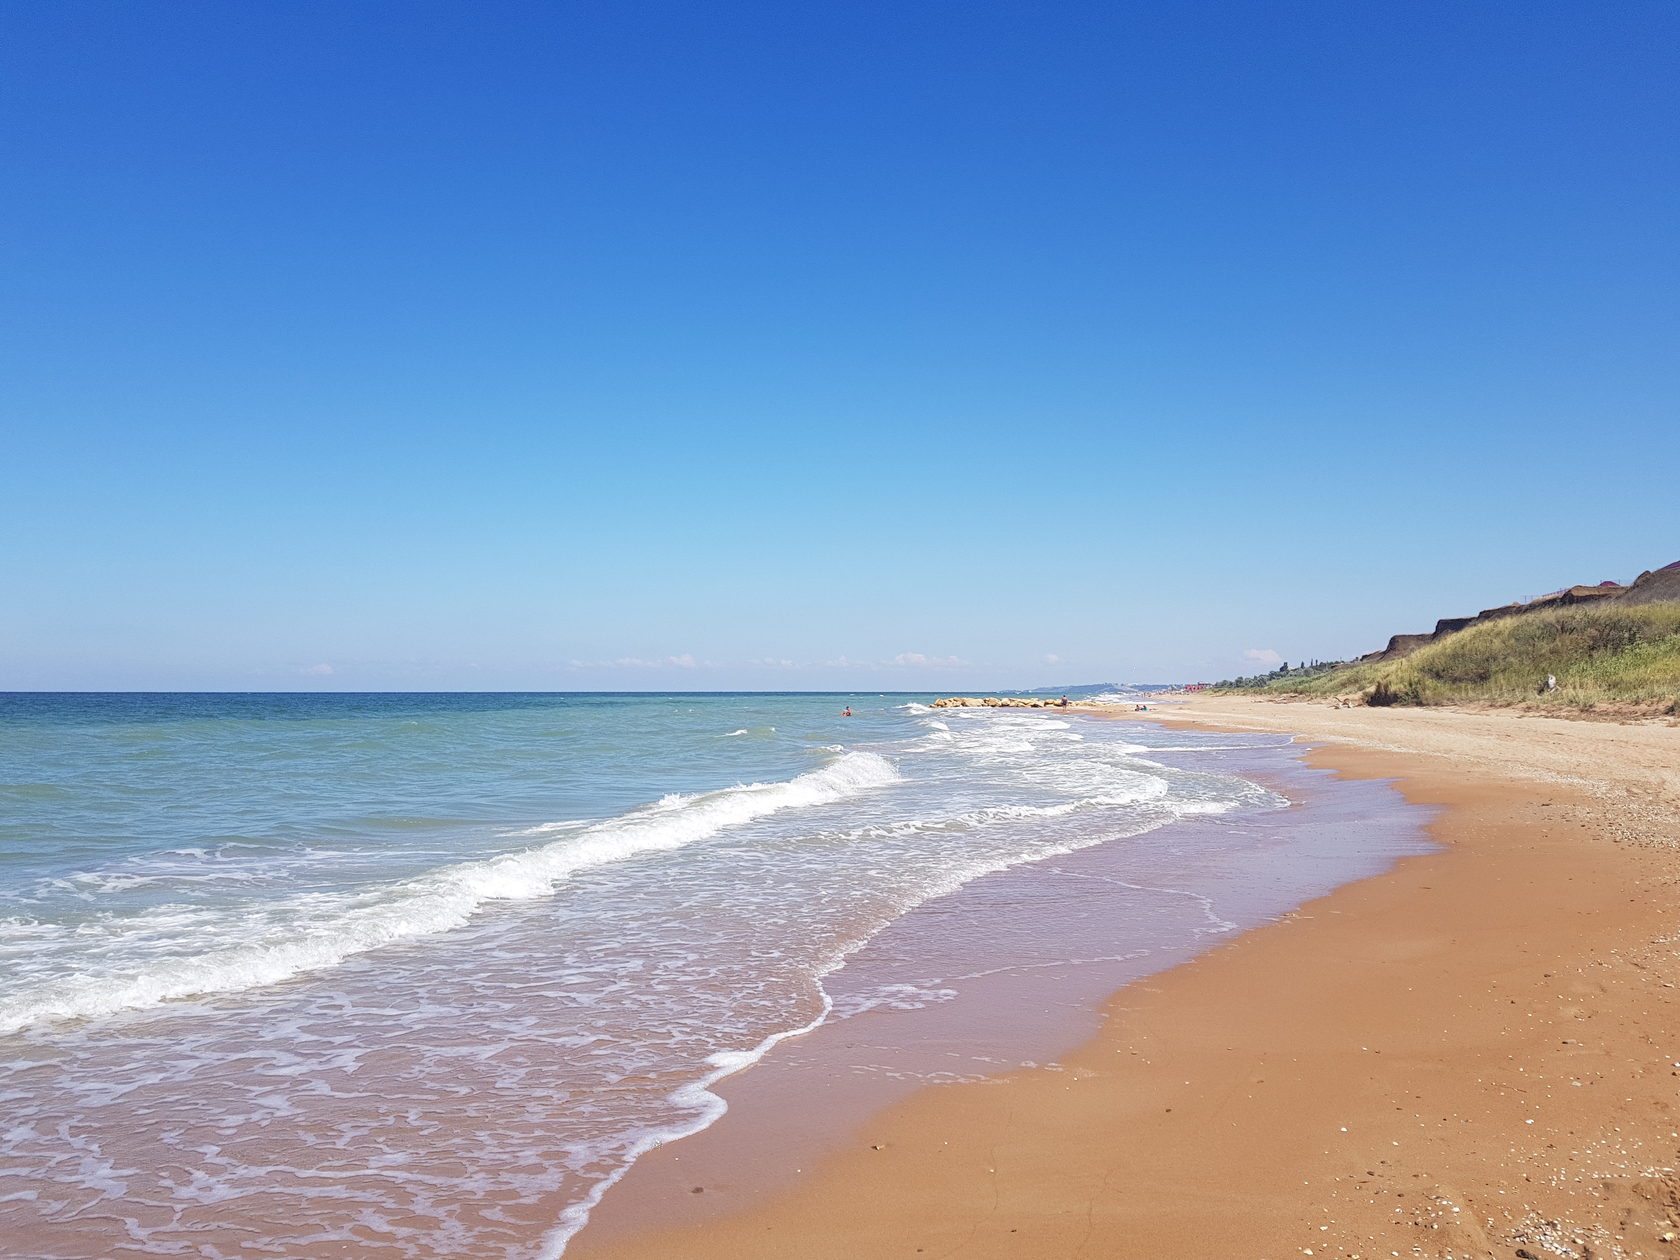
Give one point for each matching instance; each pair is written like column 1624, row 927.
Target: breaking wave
column 134, row 961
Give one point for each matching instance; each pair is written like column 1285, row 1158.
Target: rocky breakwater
column 996, row 702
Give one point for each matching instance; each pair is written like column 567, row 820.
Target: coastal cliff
column 1609, row 649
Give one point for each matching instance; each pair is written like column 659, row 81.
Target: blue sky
column 928, row 345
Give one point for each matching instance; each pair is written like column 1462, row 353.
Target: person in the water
column 846, row 712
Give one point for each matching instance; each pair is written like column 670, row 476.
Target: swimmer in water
column 846, row 712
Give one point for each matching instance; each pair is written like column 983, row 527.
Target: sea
column 406, row 976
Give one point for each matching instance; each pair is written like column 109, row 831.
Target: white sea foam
column 694, row 944
column 1021, row 743
column 891, row 997
column 704, row 1108
column 138, row 960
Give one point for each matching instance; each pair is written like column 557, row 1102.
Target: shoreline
column 1471, row 1053
column 1012, row 969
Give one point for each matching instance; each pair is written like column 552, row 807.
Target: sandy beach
column 1474, row 1054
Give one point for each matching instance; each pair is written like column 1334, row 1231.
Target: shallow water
column 417, row 976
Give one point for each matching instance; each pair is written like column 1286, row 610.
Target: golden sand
column 1476, row 1054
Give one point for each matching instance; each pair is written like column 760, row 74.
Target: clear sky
column 805, row 345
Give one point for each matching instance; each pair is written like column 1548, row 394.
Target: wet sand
column 1475, row 1054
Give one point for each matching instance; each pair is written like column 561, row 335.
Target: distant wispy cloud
column 685, row 661
column 1263, row 656
column 316, row 671
column 904, row 660
column 1050, row 658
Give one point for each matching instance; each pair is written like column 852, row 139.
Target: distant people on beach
column 1063, row 702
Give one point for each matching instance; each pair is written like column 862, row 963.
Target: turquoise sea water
column 420, row 975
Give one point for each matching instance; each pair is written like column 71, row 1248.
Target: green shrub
column 1599, row 653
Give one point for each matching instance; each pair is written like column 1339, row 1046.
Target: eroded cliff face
column 1653, row 586
column 1650, row 587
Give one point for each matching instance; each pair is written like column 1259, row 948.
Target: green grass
column 1622, row 656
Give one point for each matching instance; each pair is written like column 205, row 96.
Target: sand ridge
column 1476, row 1054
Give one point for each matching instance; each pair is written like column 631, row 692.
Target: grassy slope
column 1600, row 654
